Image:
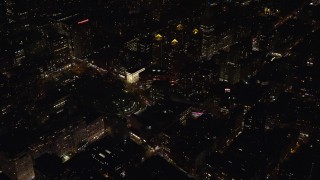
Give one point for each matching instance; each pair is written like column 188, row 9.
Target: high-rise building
column 238, row 65
column 78, row 30
column 18, row 11
column 157, row 50
column 59, row 48
column 230, row 72
column 18, row 167
column 95, row 128
column 6, row 57
column 159, row 91
column 2, row 14
column 158, row 8
column 144, row 47
column 82, row 38
column 208, row 32
column 63, row 143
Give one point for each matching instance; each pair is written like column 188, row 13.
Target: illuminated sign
column 227, row 90
column 83, row 21
column 197, row 114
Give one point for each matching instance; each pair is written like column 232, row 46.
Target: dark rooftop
column 156, row 168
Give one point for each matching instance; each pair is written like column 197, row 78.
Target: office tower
column 157, row 50
column 2, row 14
column 82, row 38
column 230, row 72
column 208, row 29
column 78, row 31
column 19, row 12
column 17, row 167
column 158, row 8
column 59, row 49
